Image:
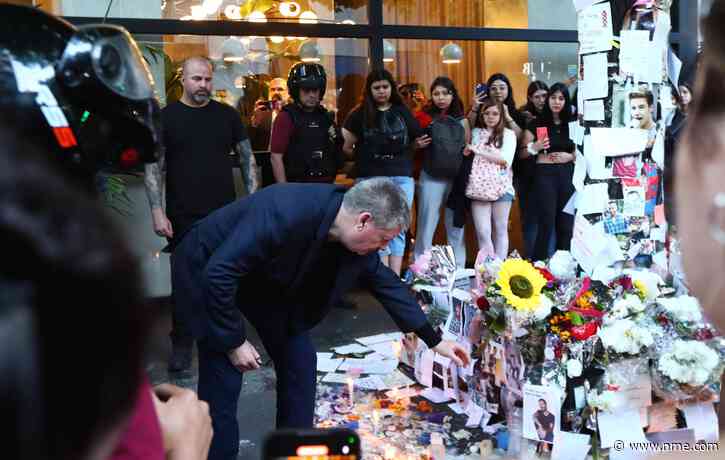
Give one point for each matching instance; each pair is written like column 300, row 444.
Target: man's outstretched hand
column 454, row 351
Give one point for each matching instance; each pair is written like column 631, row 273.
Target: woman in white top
column 493, row 145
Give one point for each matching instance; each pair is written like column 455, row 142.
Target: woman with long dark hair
column 555, row 157
column 380, row 133
column 448, row 134
column 524, row 168
column 500, row 90
column 675, row 127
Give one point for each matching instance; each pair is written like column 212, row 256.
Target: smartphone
column 542, row 132
column 480, row 88
column 327, row 444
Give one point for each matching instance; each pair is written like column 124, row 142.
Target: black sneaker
column 180, row 360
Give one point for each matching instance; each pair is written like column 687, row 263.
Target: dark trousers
column 181, row 335
column 552, row 190
column 295, row 363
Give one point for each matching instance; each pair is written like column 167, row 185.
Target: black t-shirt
column 198, row 143
column 366, row 165
column 559, row 140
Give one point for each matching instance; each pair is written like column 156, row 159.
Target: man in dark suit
column 281, row 258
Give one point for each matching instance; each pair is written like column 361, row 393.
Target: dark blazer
column 260, row 254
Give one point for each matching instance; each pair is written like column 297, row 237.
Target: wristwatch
column 530, row 149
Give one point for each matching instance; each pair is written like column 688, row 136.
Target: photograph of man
column 614, row 222
column 544, row 422
column 640, row 108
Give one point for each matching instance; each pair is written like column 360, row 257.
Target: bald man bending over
column 195, row 171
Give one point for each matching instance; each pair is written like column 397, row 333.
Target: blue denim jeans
column 432, row 193
column 396, row 247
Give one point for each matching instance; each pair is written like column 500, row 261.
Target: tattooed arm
column 153, row 180
column 248, row 165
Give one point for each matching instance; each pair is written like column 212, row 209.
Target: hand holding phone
column 338, row 443
column 480, row 89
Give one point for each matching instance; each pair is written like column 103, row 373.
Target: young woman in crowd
column 490, row 187
column 675, row 127
column 555, row 157
column 380, row 133
column 524, row 168
column 500, row 90
column 443, row 118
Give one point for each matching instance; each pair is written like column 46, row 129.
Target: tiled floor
column 257, row 400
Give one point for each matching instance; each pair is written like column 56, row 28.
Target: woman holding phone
column 498, row 88
column 448, row 132
column 547, row 139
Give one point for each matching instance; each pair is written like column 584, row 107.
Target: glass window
column 421, row 61
column 518, row 14
column 244, row 67
column 323, row 11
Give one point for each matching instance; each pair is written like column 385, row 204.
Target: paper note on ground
column 372, row 383
column 703, row 419
column 325, row 362
column 379, row 338
column 396, row 379
column 622, row 426
column 335, row 378
column 619, row 141
column 351, row 348
column 570, row 446
column 386, row 349
column 457, row 408
column 435, row 395
column 475, row 414
column 594, row 23
column 596, row 79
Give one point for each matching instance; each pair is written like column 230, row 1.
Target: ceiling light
column 308, row 17
column 257, row 16
column 233, row 12
column 276, row 39
column 309, row 51
column 197, row 12
column 388, row 51
column 211, row 6
column 289, row 9
column 349, row 22
column 451, row 54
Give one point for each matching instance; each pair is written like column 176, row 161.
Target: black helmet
column 84, row 94
column 306, row 75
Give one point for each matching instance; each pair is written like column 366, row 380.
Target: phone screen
column 333, row 444
column 542, row 133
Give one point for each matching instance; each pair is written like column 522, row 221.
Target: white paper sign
column 595, row 161
column 596, row 79
column 351, row 348
column 581, row 4
column 542, row 407
column 634, row 47
column 588, row 244
column 594, row 24
column 619, row 141
column 570, row 446
column 594, row 110
column 580, row 171
column 674, row 67
column 594, row 199
column 703, row 419
column 622, row 426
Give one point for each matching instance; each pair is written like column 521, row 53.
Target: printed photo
column 542, row 407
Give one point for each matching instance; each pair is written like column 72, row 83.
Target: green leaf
column 576, row 318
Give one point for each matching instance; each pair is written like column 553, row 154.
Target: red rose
column 626, row 282
column 704, row 334
column 482, row 303
column 547, row 274
column 584, row 331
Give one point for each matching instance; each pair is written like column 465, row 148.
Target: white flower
column 684, row 308
column 562, row 265
column 574, row 368
column 690, row 362
column 628, row 305
column 650, row 280
column 625, row 336
column 544, row 308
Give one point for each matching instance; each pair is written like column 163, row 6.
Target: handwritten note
column 596, row 79
column 594, row 23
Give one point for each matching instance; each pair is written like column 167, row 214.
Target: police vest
column 312, row 153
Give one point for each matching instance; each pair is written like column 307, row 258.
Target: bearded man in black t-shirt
column 201, row 138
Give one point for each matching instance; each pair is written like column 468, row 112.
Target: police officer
column 305, row 142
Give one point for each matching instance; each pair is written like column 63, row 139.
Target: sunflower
column 520, row 284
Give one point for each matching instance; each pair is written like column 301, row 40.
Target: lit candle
column 351, row 390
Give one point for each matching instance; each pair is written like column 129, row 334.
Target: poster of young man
column 542, row 407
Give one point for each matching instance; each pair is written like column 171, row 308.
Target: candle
column 351, row 390
column 376, row 420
